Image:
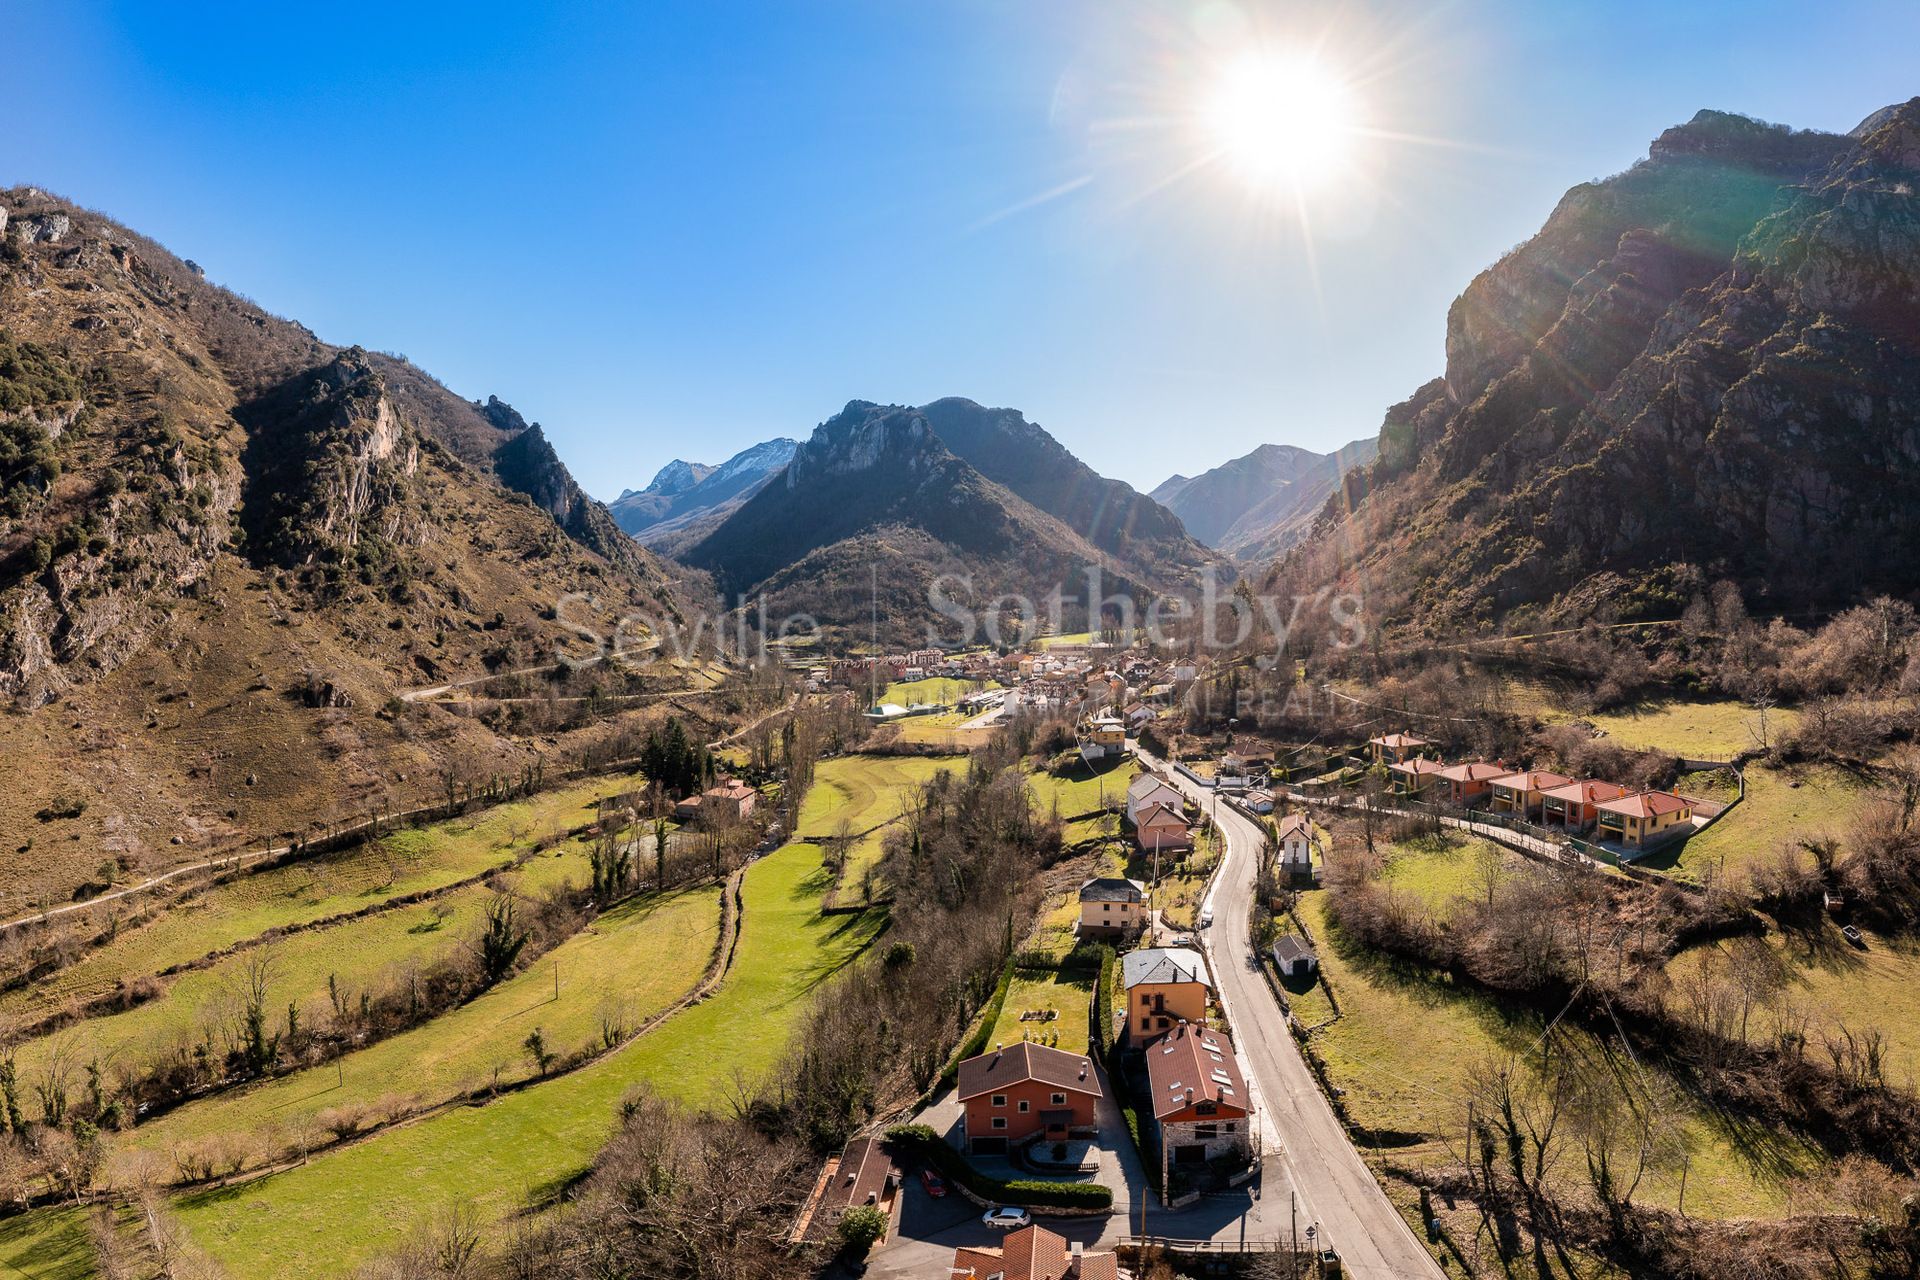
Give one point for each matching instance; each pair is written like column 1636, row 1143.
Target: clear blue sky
column 672, row 229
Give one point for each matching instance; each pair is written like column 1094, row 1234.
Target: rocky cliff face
column 1709, row 365
column 152, row 424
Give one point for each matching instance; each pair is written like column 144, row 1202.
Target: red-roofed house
column 1199, row 1096
column 1397, row 747
column 1162, row 828
column 1033, row 1253
column 1523, row 793
column 1643, row 818
column 1027, row 1091
column 1414, row 776
column 1471, row 781
column 1576, row 806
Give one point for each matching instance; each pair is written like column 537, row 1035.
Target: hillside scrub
column 1560, row 939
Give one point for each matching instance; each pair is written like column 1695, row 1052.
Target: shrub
column 919, row 1140
column 860, row 1227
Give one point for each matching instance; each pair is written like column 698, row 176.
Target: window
column 1059, row 1100
column 1206, row 1130
column 1146, row 1001
column 1023, row 1106
column 999, row 1099
column 999, row 1122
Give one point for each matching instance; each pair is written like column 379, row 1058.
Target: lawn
column 1067, row 640
column 1700, row 730
column 407, row 862
column 1783, row 805
column 1084, row 789
column 46, row 1244
column 1068, row 995
column 658, row 947
column 332, row 1215
column 1407, row 1039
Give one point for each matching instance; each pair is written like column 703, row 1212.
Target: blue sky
column 676, row 229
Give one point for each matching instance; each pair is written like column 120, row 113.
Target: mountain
column 1256, row 506
column 675, row 478
column 227, row 547
column 1007, row 449
column 687, row 498
column 879, row 496
column 1705, row 367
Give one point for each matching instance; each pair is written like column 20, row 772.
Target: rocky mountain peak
column 677, row 477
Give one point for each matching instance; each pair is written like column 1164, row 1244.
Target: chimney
column 1077, row 1250
column 1189, row 1097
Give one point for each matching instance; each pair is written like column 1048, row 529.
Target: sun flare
column 1283, row 123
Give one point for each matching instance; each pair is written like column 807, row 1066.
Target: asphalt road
column 1335, row 1187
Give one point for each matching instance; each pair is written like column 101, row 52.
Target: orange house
column 1396, row 747
column 1468, row 782
column 1027, row 1091
column 1523, row 792
column 1413, row 777
column 1648, row 817
column 1576, row 806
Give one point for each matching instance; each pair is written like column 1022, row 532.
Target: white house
column 1295, row 835
column 1146, row 791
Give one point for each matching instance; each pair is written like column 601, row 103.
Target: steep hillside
column 1258, row 505
column 1007, row 449
column 876, row 485
column 225, row 546
column 1707, row 366
column 686, row 499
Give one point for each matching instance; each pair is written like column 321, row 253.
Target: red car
column 932, row 1182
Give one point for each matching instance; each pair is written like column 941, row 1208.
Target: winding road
column 1336, row 1189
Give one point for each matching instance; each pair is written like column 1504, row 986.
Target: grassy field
column 861, row 792
column 933, row 691
column 1783, row 805
column 1407, row 1039
column 943, row 730
column 1699, row 730
column 1826, row 984
column 407, row 862
column 331, row 1215
column 1066, row 640
column 1444, row 866
column 1086, row 789
column 1067, row 994
column 658, row 946
column 47, row 1244
column 369, row 954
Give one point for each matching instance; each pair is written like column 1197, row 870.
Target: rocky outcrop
column 1707, row 366
column 331, row 465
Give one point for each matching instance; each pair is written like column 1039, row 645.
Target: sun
column 1283, row 123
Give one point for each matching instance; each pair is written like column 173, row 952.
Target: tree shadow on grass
column 64, row 1253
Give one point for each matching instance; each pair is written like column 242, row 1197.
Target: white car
column 1006, row 1218
column 1206, row 920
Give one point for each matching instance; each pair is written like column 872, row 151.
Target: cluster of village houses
column 1633, row 818
column 1072, row 679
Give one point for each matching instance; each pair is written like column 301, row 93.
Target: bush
column 921, row 1141
column 860, row 1227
